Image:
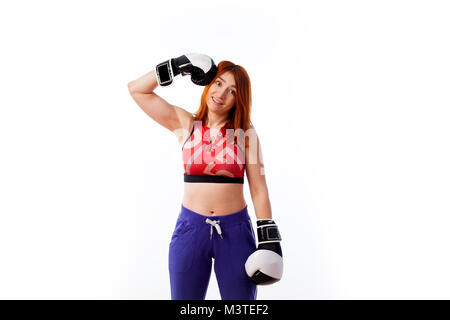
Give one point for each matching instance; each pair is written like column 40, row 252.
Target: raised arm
column 164, row 113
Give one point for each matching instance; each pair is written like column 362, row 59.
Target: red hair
column 239, row 114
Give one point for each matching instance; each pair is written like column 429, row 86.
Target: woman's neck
column 216, row 124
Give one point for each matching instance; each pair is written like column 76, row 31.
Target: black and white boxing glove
column 201, row 68
column 265, row 265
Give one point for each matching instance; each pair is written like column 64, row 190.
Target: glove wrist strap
column 267, row 231
column 164, row 73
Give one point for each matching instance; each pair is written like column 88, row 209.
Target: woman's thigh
column 231, row 253
column 189, row 263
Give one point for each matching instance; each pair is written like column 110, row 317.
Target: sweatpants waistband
column 193, row 217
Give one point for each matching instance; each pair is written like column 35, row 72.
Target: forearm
column 261, row 204
column 145, row 84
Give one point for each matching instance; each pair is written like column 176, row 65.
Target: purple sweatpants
column 192, row 249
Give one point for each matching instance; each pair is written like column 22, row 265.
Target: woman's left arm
column 254, row 167
column 265, row 265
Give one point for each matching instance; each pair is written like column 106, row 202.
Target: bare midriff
column 214, row 199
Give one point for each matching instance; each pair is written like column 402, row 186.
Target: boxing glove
column 201, row 68
column 265, row 265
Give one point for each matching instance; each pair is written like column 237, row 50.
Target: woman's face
column 221, row 95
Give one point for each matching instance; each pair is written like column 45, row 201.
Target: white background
column 350, row 101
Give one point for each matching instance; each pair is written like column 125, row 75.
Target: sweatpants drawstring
column 214, row 223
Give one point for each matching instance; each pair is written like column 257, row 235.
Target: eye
column 232, row 91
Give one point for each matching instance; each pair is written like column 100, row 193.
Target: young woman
column 213, row 222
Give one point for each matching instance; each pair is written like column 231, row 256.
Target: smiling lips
column 216, row 102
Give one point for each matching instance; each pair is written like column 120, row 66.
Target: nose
column 222, row 93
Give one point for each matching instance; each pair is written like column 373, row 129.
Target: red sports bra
column 221, row 161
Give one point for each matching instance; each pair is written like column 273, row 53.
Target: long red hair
column 239, row 115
